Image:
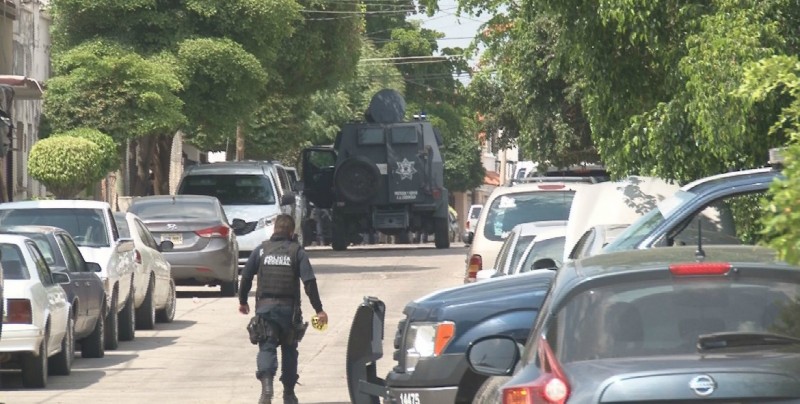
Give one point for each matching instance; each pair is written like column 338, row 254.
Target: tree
column 65, row 164
column 109, row 160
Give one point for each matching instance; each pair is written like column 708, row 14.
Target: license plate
column 409, row 398
column 176, row 239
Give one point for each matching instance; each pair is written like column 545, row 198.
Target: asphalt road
column 206, row 357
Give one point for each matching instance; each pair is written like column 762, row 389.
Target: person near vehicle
column 280, row 263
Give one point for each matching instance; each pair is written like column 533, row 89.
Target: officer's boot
column 289, row 397
column 266, row 390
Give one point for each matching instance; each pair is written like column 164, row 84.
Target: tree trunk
column 239, row 142
column 3, row 188
column 161, row 165
column 145, row 149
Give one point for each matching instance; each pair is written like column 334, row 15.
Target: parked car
column 38, row 333
column 718, row 204
column 510, row 206
column 91, row 225
column 595, row 239
column 431, row 341
column 252, row 191
column 618, row 202
column 516, row 243
column 85, row 291
column 544, row 253
column 204, row 248
column 676, row 325
column 473, row 214
column 153, row 272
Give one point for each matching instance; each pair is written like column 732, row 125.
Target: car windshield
column 13, row 262
column 122, row 226
column 642, row 228
column 53, row 259
column 663, row 317
column 230, row 189
column 86, row 226
column 552, row 248
column 509, row 210
column 154, row 210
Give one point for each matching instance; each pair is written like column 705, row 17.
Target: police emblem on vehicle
column 703, row 385
column 406, row 169
column 172, row 226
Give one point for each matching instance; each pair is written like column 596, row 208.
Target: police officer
column 281, row 263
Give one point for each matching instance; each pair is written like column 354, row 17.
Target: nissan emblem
column 703, row 385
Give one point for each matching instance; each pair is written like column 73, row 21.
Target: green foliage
column 108, row 148
column 106, row 86
column 223, row 86
column 65, row 164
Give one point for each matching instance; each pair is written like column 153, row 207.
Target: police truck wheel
column 340, row 238
column 357, row 179
column 441, row 232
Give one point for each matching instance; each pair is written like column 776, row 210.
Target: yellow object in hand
column 318, row 325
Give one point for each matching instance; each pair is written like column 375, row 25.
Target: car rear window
column 230, row 189
column 122, row 226
column 552, row 248
column 509, row 210
column 13, row 262
column 475, row 213
column 156, row 210
column 663, row 317
column 86, row 226
column 51, row 256
column 519, row 249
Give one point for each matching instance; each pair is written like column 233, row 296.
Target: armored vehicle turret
column 384, row 174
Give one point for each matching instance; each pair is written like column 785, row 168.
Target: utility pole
column 239, row 142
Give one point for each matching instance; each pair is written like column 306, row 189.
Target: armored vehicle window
column 370, row 136
column 405, row 134
column 231, row 189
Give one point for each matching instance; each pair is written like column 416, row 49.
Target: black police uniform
column 281, row 264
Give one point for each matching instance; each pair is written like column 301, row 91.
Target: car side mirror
column 544, row 263
column 60, row 277
column 238, row 225
column 166, row 245
column 288, row 199
column 93, row 267
column 495, row 355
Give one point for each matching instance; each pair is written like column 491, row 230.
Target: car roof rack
column 534, row 180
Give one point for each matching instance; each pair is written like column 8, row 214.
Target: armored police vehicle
column 385, row 174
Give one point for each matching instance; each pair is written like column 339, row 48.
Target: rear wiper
column 720, row 340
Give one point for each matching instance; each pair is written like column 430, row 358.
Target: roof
column 662, row 256
column 173, row 199
column 491, row 178
column 230, row 167
column 56, row 204
column 758, row 172
column 546, row 187
column 31, row 229
column 12, row 239
column 535, row 228
column 25, row 88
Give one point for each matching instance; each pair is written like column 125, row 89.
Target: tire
column 111, row 326
column 357, row 179
column 167, row 314
column 490, row 392
column 146, row 313
column 230, row 288
column 127, row 320
column 93, row 346
column 34, row 368
column 340, row 240
column 441, row 232
column 61, row 363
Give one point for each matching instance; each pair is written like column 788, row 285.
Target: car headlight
column 427, row 340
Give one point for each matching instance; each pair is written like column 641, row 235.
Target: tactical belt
column 276, row 300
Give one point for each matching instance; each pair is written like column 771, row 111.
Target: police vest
column 279, row 271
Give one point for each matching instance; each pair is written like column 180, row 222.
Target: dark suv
column 383, row 175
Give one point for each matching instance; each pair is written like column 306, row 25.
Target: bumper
column 20, row 338
column 209, row 265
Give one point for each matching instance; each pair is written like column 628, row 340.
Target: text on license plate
column 409, row 398
column 174, row 238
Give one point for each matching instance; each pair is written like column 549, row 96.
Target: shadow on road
column 385, row 250
column 211, row 293
column 79, row 379
column 175, row 325
column 146, row 343
column 348, row 269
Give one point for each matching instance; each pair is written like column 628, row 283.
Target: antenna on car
column 699, row 254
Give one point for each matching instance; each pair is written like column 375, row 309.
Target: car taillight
column 700, row 268
column 19, row 312
column 475, row 265
column 216, row 231
column 549, row 388
column 137, row 256
column 437, row 193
